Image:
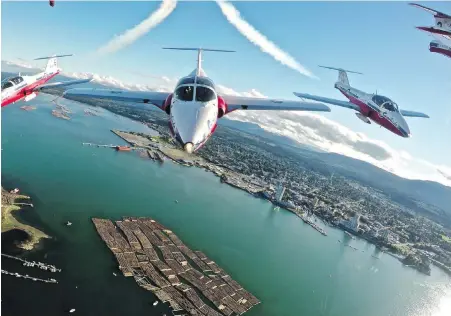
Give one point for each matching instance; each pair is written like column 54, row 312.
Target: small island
column 60, row 114
column 28, row 108
column 9, row 222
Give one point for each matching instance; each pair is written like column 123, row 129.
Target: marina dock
column 17, row 275
column 40, row 265
column 161, row 263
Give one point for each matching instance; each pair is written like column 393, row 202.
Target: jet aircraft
column 195, row 106
column 378, row 108
column 441, row 31
column 27, row 87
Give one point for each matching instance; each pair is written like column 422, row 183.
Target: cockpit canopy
column 201, row 89
column 11, row 81
column 385, row 103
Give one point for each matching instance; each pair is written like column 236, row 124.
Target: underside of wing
column 245, row 103
column 344, row 104
column 155, row 98
column 60, row 84
column 413, row 114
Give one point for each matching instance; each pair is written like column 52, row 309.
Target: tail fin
column 342, row 76
column 198, row 71
column 52, row 64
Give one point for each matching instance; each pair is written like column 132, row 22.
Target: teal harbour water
column 289, row 266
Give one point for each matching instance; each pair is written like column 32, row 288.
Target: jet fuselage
column 379, row 109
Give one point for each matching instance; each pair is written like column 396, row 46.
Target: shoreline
column 11, row 203
column 225, row 176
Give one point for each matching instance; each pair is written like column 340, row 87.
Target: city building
column 280, row 192
column 353, row 223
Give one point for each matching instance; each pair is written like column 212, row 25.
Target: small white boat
column 176, row 201
column 114, row 274
column 155, row 303
column 72, row 310
column 68, row 223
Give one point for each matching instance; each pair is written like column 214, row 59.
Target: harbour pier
column 40, row 265
column 161, row 263
column 17, row 275
column 117, row 147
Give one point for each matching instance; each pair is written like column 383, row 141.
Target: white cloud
column 320, row 132
column 131, row 35
column 14, row 65
column 259, row 40
column 116, row 83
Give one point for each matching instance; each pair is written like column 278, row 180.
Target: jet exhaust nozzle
column 188, row 147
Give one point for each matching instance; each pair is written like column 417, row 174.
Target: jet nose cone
column 188, row 147
column 404, row 129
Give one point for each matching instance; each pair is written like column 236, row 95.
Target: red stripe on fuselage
column 20, row 94
column 374, row 116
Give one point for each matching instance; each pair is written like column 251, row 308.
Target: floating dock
column 159, row 262
column 40, row 265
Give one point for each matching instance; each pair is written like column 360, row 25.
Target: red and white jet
column 195, row 106
column 441, row 31
column 27, row 87
column 378, row 108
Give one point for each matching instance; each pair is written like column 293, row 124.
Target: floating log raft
column 160, row 262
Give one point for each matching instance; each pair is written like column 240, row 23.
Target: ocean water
column 290, row 267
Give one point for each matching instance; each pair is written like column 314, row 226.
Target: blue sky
column 378, row 39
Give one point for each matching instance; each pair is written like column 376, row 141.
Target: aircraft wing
column 245, row 103
column 433, row 30
column 413, row 114
column 435, row 12
column 60, row 84
column 155, row 98
column 344, row 104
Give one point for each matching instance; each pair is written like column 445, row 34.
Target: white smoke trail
column 258, row 39
column 131, row 35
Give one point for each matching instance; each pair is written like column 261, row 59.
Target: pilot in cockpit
column 6, row 84
column 390, row 106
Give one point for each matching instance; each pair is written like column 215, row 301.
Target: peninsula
column 9, row 222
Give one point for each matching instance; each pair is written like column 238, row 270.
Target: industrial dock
column 159, row 262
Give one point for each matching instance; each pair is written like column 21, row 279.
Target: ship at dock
column 314, row 225
column 123, row 148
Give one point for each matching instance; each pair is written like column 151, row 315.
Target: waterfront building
column 280, row 192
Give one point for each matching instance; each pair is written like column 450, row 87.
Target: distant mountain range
column 411, row 193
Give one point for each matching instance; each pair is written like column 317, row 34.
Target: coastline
column 10, row 222
column 232, row 178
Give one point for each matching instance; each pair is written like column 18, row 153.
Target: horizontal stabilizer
column 198, row 71
column 340, row 69
column 48, row 57
column 342, row 76
column 201, row 49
